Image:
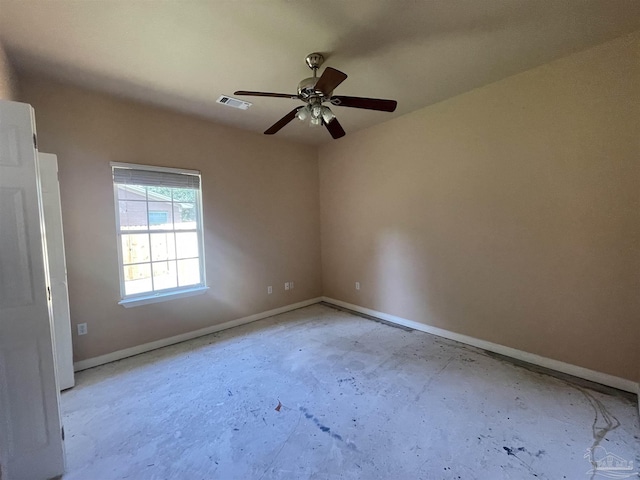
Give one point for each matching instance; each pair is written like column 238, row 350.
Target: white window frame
column 167, row 294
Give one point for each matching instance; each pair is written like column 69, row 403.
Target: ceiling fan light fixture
column 303, row 113
column 316, row 115
column 316, row 111
column 327, row 115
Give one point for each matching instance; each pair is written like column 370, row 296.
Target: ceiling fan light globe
column 316, row 111
column 327, row 115
column 303, row 113
column 315, row 122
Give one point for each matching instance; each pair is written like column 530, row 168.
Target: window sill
column 161, row 297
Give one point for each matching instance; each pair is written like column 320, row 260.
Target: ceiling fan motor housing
column 307, row 90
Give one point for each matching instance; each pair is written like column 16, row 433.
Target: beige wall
column 8, row 79
column 260, row 203
column 510, row 213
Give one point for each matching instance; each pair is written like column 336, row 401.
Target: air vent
column 233, row 102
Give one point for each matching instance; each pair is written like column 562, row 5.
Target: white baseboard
column 580, row 372
column 129, row 352
column 576, row 371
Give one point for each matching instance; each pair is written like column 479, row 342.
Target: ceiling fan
column 315, row 91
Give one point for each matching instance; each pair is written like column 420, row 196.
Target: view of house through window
column 159, row 224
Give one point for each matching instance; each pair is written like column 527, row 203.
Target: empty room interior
column 319, row 240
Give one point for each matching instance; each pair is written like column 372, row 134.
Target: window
column 159, row 225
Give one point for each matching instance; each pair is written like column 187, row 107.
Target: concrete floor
column 359, row 399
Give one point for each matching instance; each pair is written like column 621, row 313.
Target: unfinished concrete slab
column 319, row 393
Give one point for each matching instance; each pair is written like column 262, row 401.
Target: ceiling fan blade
column 282, row 122
column 266, row 94
column 367, row 103
column 329, row 80
column 335, row 129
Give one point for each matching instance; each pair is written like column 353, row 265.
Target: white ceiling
column 185, row 54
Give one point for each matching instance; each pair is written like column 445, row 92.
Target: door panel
column 16, row 287
column 20, row 384
column 9, row 145
column 30, row 439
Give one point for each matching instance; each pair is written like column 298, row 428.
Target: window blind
column 154, row 178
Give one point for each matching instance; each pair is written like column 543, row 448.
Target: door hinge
column 35, row 141
column 62, row 430
column 49, row 293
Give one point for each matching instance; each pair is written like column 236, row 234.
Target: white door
column 50, row 188
column 31, row 446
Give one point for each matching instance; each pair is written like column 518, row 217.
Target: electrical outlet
column 290, row 285
column 269, row 290
column 286, row 286
column 357, row 285
column 82, row 329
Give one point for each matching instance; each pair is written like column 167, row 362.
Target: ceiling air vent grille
column 233, row 102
